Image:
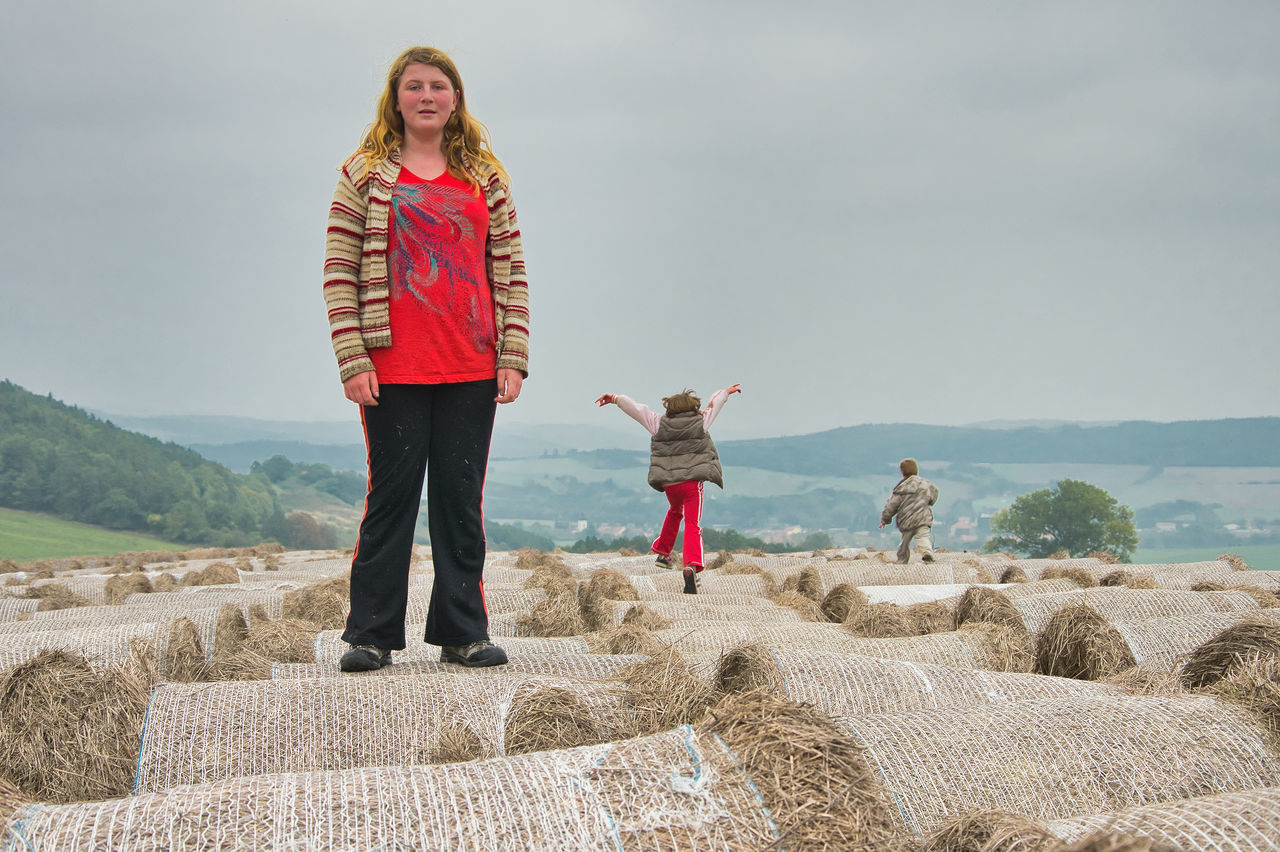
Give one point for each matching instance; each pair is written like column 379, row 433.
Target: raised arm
column 718, row 400
column 638, row 412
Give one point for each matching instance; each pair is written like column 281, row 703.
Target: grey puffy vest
column 682, row 450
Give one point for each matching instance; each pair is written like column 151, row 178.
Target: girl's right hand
column 362, row 388
column 607, row 399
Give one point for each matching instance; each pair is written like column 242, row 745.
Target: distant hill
column 853, row 450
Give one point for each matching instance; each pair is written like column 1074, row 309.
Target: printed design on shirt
column 434, row 259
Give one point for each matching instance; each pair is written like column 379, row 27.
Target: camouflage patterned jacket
column 910, row 501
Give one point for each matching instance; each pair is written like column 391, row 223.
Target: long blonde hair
column 465, row 137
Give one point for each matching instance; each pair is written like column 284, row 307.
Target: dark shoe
column 928, row 557
column 662, row 561
column 482, row 653
column 690, row 585
column 364, row 658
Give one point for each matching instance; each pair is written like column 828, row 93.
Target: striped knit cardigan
column 356, row 283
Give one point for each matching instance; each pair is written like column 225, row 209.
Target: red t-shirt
column 442, row 324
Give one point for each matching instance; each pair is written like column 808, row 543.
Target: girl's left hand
column 509, row 384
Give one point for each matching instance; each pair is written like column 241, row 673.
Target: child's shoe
column 662, row 561
column 690, row 585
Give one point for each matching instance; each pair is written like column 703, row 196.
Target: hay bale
column 626, row 639
column 748, row 668
column 881, row 620
column 557, row 615
column 69, row 731
column 807, row 582
column 1129, row 579
column 1013, row 574
column 611, row 585
column 642, row 616
column 1140, row 681
column 324, row 603
column 1209, row 587
column 722, row 559
column 258, row 615
column 987, row 830
column 1103, row 556
column 597, row 613
column 11, row 800
column 1123, row 604
column 529, row 559
column 1080, row 576
column 287, row 640
column 663, row 691
column 183, row 652
column 808, row 608
column 841, row 601
column 804, row 765
column 1235, row 560
column 229, row 631
column 1253, row 639
column 932, row 617
column 1265, row 598
column 240, row 664
column 458, row 742
column 216, row 574
column 1045, row 758
column 55, row 596
column 165, row 582
column 547, row 717
column 736, row 567
column 1164, row 644
column 1078, row 642
column 120, row 586
column 988, row 606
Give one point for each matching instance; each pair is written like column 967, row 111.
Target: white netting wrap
column 1266, row 579
column 908, row 595
column 11, row 608
column 851, row 685
column 669, row 792
column 330, row 647
column 499, row 601
column 91, row 588
column 1162, row 644
column 176, row 603
column 1033, row 568
column 865, row 572
column 709, row 582
column 571, row 665
column 1055, row 758
column 1116, row 603
column 691, row 611
column 208, row 732
column 724, row 636
column 97, row 644
column 1241, row 821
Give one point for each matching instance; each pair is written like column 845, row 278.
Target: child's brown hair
column 681, row 402
column 908, row 468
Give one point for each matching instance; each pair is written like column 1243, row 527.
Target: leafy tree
column 1073, row 516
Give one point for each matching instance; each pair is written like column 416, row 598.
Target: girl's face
column 425, row 98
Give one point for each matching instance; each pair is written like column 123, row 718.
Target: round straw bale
column 324, row 603
column 1103, row 556
column 992, row 831
column 808, row 608
column 240, row 664
column 1010, row 649
column 804, row 765
column 552, row 579
column 628, row 551
column 183, row 652
column 229, row 630
column 1127, row 578
column 808, row 583
column 8, row 566
column 880, row 621
column 528, row 558
column 258, row 615
column 736, row 567
column 1080, row 643
column 1251, row 639
column 1060, row 554
column 1266, row 598
column 557, row 615
column 1254, row 684
column 663, row 692
column 1110, row 841
column 286, row 640
column 981, row 573
column 625, row 639
column 611, row 585
column 932, row 617
column 458, row 742
column 722, row 559
column 990, row 606
column 841, row 601
column 747, row 668
column 596, row 612
column 217, row 574
column 1080, row 576
column 1235, row 560
column 1013, row 574
column 165, row 582
column 642, row 616
column 552, row 717
column 70, row 731
column 121, row 586
column 1209, row 587
column 54, row 596
column 11, row 800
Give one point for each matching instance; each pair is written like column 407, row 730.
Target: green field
column 1265, row 557
column 25, row 536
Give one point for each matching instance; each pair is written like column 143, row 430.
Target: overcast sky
column 939, row 212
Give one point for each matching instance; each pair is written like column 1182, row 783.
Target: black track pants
column 442, row 432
